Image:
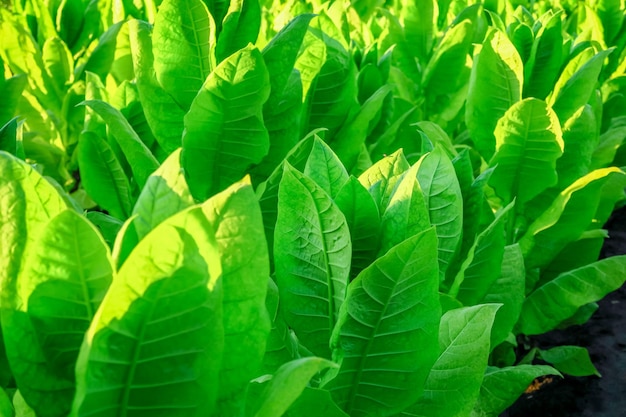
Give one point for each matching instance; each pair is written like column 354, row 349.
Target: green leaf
column 444, row 201
column 386, row 336
column 570, row 360
column 608, row 146
column 312, row 252
column 502, row 386
column 45, row 317
column 9, row 141
column 21, row 408
column 483, row 264
column 102, row 175
column 236, row 217
column 163, row 114
column 406, row 214
column 495, row 85
column 282, row 110
column 349, row 140
column 141, row 160
column 288, row 383
column 156, row 342
column 58, row 62
column 239, row 27
column 184, row 33
column 27, row 203
column 454, row 382
column 325, row 168
column 363, row 220
column 100, row 59
column 380, row 179
column 559, row 299
column 165, row 194
column 546, row 58
column 611, row 14
column 332, row 95
column 224, row 132
column 572, row 212
column 580, row 137
column 528, row 143
column 571, row 93
column 509, row 290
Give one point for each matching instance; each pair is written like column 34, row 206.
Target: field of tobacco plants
column 264, row 208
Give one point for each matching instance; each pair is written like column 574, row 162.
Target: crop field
column 303, row 208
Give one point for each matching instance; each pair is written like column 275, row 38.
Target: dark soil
column 604, row 335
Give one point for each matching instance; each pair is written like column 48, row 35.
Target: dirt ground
column 605, row 338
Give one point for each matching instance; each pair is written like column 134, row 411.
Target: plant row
column 267, row 208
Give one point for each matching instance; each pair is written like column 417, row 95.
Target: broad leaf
column 495, row 85
column 325, row 168
column 236, row 217
column 528, row 143
column 287, row 385
column 239, row 27
column 454, row 381
column 102, row 175
column 163, row 114
column 312, row 252
column 27, row 203
column 184, row 32
column 442, row 194
column 570, row 360
column 224, row 132
column 46, row 315
column 559, row 299
column 156, row 342
column 141, row 160
column 502, row 386
column 386, row 336
column 363, row 220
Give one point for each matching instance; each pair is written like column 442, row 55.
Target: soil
column 604, row 335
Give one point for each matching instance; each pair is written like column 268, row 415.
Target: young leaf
column 442, row 194
column 495, row 85
column 156, row 342
column 386, row 336
column 224, row 132
column 482, row 267
column 455, row 379
column 163, row 114
column 570, row 360
column 288, row 383
column 570, row 214
column 239, row 27
column 508, row 290
column 406, row 214
column 141, row 160
column 236, row 217
column 45, row 317
column 502, row 386
column 165, row 194
column 572, row 93
column 560, row 298
column 381, row 178
column 102, row 175
column 363, row 220
column 546, row 59
column 325, row 168
column 528, row 143
column 312, row 252
column 580, row 137
column 184, row 32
